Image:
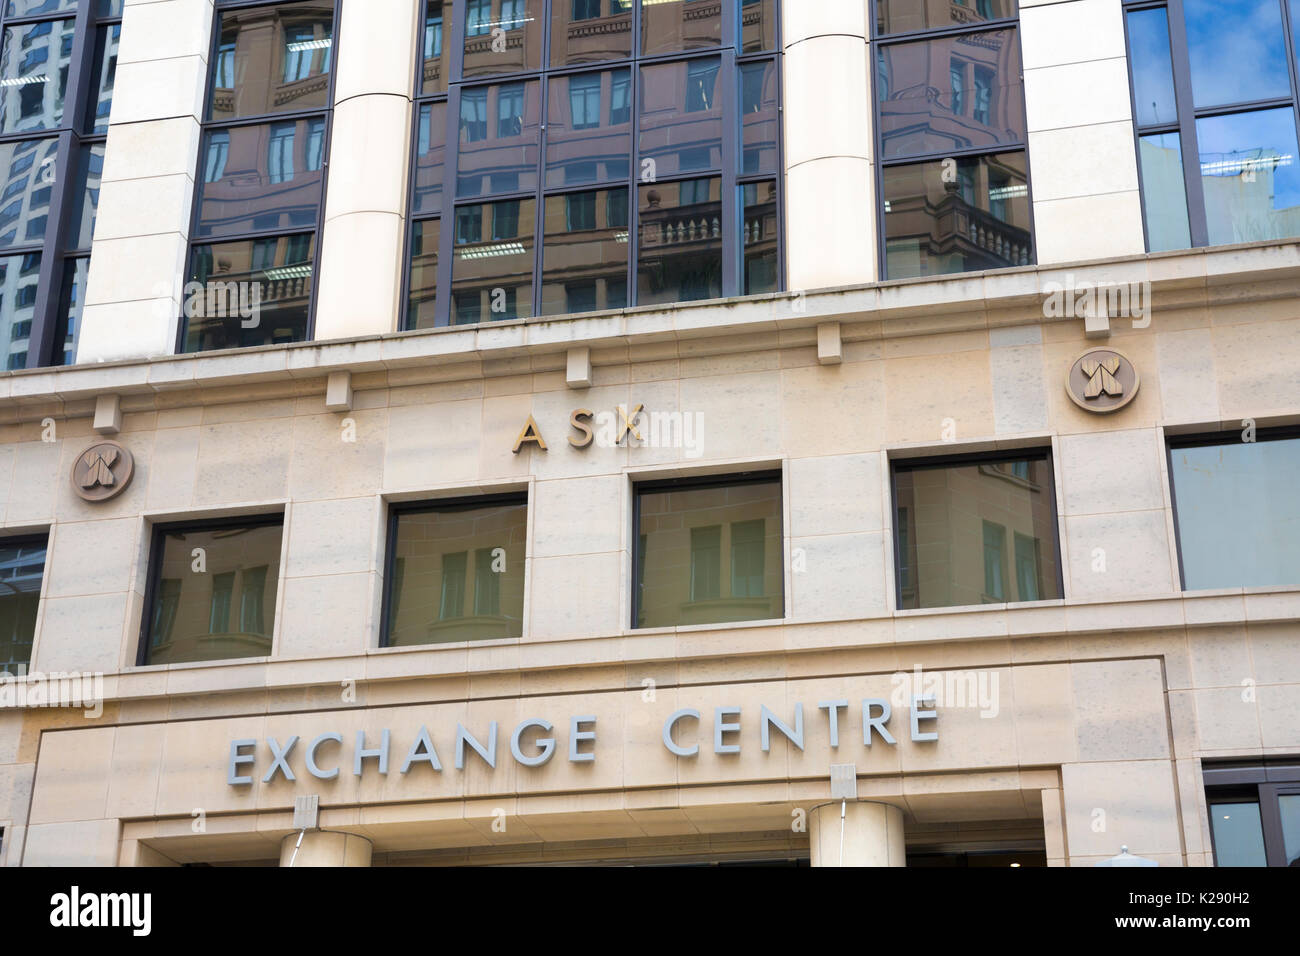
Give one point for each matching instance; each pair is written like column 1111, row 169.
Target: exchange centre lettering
column 533, row 743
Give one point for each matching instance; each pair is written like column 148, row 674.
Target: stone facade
column 1108, row 700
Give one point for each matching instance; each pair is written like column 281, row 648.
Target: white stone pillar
column 1084, row 178
column 325, row 848
column 829, row 178
column 143, row 220
column 871, row 835
column 365, row 206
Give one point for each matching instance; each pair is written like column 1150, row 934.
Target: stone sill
column 470, row 662
column 873, row 311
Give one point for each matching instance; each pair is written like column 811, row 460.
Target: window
column 710, row 551
column 679, row 140
column 1235, row 509
column 956, row 517
column 22, row 569
column 952, row 134
column 1216, row 142
column 1254, row 812
column 262, row 185
column 210, row 588
column 51, row 156
column 462, row 571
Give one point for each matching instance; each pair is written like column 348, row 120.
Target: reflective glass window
column 976, row 533
column 1237, row 513
column 220, row 609
column 709, row 553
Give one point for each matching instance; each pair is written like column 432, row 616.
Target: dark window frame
column 197, row 526
column 876, row 43
column 1188, row 114
column 31, row 541
column 208, row 126
column 731, row 57
column 691, row 483
column 1205, row 439
column 1263, row 782
column 396, row 509
column 74, row 135
column 1001, row 456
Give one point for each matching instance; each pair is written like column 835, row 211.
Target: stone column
column 830, row 204
column 872, row 835
column 133, row 293
column 365, row 204
column 326, row 848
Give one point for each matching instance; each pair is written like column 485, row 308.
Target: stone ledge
column 1252, row 272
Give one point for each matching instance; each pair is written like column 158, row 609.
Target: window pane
column 109, row 8
column 424, row 274
column 72, row 300
column 462, row 575
column 1163, row 195
column 500, row 139
column 1250, row 176
column 961, row 519
column 103, row 76
column 1236, row 51
column 25, row 8
column 1238, row 834
column 1238, row 514
column 761, row 234
column 978, row 220
column 430, row 155
column 905, row 16
column 681, row 117
column 34, row 76
column 759, row 117
column 957, row 93
column 263, row 177
column 273, row 59
column 19, row 277
column 671, row 26
column 503, row 36
column 434, row 68
column 90, row 168
column 758, row 22
column 1153, row 69
column 589, row 128
column 252, row 292
column 28, row 170
column 680, row 242
column 590, row 31
column 22, row 567
column 492, row 277
column 710, row 555
column 213, row 614
column 585, row 257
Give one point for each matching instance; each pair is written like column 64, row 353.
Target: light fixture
column 1015, row 866
column 1006, row 192
column 287, row 272
column 492, row 251
column 24, row 80
column 299, row 46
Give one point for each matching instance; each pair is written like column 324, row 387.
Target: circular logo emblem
column 1102, row 380
column 102, row 471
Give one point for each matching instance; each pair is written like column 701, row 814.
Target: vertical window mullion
column 1192, row 183
column 447, row 231
column 732, row 121
column 539, row 210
